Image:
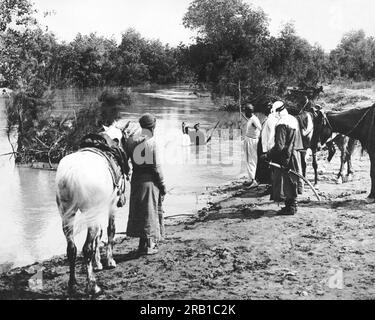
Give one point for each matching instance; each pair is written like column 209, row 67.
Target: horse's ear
column 105, row 128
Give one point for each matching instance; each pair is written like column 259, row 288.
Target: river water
column 30, row 226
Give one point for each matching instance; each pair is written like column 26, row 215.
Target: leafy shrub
column 46, row 138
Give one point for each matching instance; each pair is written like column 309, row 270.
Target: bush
column 46, row 138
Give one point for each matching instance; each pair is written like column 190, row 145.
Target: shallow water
column 30, row 228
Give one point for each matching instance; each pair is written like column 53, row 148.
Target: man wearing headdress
column 285, row 187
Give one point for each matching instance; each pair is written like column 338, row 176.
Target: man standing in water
column 252, row 133
column 199, row 138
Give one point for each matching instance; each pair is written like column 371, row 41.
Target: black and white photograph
column 157, row 151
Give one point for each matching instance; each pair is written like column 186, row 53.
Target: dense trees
column 233, row 47
column 28, row 54
column 234, row 50
column 230, row 43
column 15, row 13
column 355, row 56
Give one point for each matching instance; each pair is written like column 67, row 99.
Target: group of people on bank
column 281, row 141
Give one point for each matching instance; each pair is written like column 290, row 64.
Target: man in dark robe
column 284, row 152
column 147, row 188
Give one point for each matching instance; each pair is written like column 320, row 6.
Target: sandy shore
column 238, row 248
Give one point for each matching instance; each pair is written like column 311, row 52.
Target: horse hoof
column 98, row 267
column 370, row 200
column 339, row 181
column 93, row 290
column 111, row 264
column 316, row 186
column 72, row 288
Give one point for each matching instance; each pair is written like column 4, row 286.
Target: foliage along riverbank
column 233, row 45
column 44, row 138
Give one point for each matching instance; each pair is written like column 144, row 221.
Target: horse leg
column 89, row 250
column 97, row 263
column 351, row 147
column 111, row 231
column 331, row 150
column 341, row 172
column 349, row 164
column 67, row 215
column 303, row 163
column 342, row 144
column 315, row 166
column 371, row 197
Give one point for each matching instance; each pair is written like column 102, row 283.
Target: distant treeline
column 88, row 60
column 233, row 52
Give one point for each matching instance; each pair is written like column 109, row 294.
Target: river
column 30, row 227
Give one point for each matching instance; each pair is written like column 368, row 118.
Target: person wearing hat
column 252, row 133
column 147, row 188
column 197, row 137
column 285, row 153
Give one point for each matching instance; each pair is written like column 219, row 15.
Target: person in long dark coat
column 285, row 187
column 147, row 188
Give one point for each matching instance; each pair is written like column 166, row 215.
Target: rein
column 327, row 120
column 303, row 108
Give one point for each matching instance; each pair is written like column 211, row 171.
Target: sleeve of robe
column 158, row 172
column 282, row 151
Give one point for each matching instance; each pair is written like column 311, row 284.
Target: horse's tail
column 364, row 148
column 85, row 185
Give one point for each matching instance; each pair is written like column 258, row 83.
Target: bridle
column 325, row 122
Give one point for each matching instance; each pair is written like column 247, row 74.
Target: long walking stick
column 210, row 137
column 275, row 165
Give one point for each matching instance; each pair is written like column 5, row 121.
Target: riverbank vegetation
column 45, row 137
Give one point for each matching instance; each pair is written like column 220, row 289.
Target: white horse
column 84, row 183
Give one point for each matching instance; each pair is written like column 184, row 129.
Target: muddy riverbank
column 237, row 248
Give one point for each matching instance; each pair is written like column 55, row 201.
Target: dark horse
column 306, row 120
column 346, row 146
column 355, row 123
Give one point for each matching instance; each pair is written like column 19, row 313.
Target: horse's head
column 114, row 133
column 316, row 92
column 322, row 129
column 120, row 131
